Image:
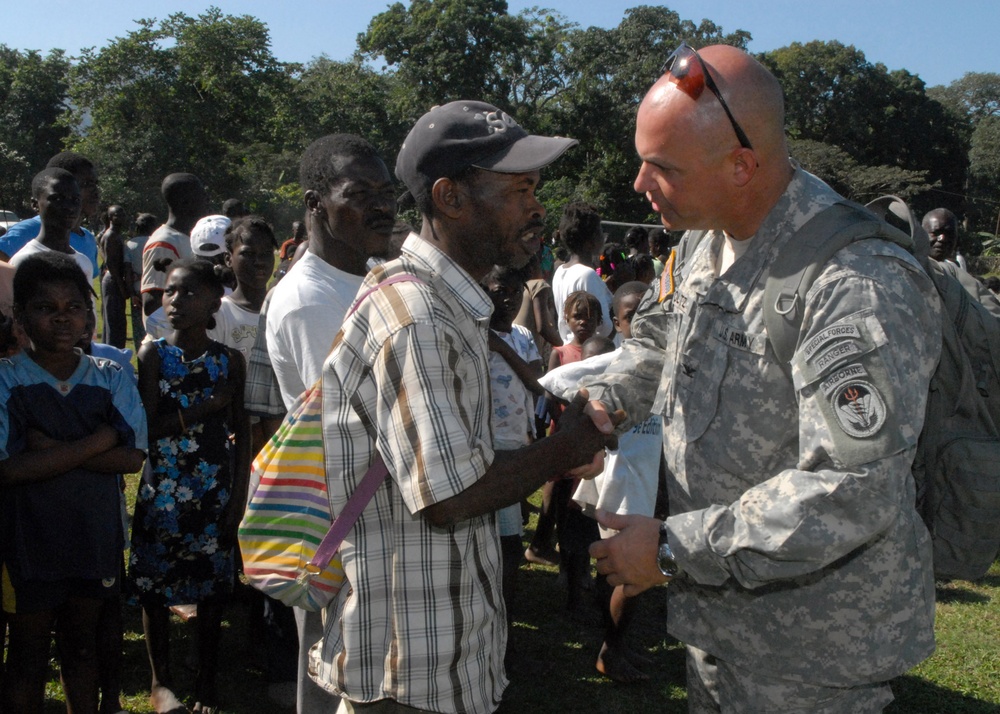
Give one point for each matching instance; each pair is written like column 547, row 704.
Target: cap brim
column 529, row 153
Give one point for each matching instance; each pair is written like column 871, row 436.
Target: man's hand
column 589, row 435
column 588, row 471
column 629, row 558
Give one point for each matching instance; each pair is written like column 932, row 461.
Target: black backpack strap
column 801, row 259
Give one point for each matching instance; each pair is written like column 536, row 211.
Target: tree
column 884, row 121
column 351, row 97
column 443, row 50
column 975, row 96
column 853, row 180
column 984, row 175
column 185, row 94
column 32, row 101
column 975, row 102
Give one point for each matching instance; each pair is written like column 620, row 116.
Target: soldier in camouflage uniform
column 804, row 578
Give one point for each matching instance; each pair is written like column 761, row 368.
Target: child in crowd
column 642, row 268
column 514, row 363
column 145, row 224
column 636, row 240
column 580, row 232
column 194, row 487
column 582, row 313
column 614, row 267
column 660, row 244
column 627, row 486
column 250, row 245
column 69, row 425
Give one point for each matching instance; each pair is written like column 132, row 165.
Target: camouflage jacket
column 791, row 497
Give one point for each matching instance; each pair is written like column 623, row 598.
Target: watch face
column 666, row 562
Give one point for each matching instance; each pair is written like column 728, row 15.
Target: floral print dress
column 186, row 483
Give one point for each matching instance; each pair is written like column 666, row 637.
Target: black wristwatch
column 665, row 557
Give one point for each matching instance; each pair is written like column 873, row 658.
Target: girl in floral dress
column 194, row 485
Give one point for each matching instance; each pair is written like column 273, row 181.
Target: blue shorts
column 22, row 596
column 509, row 521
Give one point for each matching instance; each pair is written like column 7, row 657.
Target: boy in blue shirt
column 69, row 424
column 82, row 240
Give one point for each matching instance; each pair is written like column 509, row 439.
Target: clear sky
column 939, row 40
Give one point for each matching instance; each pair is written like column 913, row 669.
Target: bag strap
column 343, row 523
column 373, row 477
column 804, row 256
column 400, row 278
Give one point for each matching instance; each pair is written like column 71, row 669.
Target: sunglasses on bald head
column 690, row 73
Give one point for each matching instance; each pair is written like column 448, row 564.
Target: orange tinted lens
column 687, row 74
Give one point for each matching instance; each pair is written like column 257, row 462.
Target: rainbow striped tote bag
column 288, row 544
column 288, row 535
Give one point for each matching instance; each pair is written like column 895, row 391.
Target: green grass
column 555, row 654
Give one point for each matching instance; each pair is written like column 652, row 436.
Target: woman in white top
column 580, row 231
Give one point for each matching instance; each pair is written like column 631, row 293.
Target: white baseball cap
column 208, row 237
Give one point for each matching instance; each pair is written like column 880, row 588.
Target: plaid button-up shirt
column 423, row 619
column 261, row 395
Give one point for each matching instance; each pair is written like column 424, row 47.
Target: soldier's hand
column 598, row 413
column 629, row 558
column 589, row 435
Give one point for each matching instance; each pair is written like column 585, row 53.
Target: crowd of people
column 641, row 395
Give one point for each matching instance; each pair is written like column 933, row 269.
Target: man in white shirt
column 350, row 213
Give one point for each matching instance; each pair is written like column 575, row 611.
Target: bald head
column 942, row 229
column 752, row 93
column 186, row 200
column 693, row 138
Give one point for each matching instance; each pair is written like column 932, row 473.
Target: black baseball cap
column 454, row 136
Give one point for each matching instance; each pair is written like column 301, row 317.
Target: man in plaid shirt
column 422, row 625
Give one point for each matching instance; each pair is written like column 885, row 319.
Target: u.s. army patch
column 860, row 409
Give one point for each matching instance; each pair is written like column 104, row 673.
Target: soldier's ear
column 744, row 165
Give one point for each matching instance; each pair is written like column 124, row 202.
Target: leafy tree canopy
column 205, row 94
column 32, row 101
column 184, row 94
column 883, row 121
